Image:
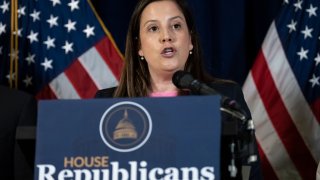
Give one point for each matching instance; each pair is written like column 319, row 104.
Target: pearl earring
column 190, row 52
column 141, row 58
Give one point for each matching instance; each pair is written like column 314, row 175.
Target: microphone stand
column 236, row 114
column 235, row 125
column 238, row 130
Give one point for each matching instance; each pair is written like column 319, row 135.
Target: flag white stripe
column 266, row 135
column 97, row 69
column 290, row 92
column 62, row 88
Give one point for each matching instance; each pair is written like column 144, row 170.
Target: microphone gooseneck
column 184, row 80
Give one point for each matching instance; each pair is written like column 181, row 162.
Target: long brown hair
column 135, row 77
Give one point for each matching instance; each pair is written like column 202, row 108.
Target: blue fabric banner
column 136, row 138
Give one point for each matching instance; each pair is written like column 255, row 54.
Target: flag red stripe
column 281, row 120
column 111, row 56
column 316, row 109
column 46, row 93
column 267, row 170
column 81, row 80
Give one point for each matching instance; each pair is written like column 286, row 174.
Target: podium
column 129, row 138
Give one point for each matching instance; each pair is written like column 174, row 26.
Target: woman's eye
column 153, row 28
column 176, row 26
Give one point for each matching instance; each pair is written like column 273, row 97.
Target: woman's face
column 164, row 37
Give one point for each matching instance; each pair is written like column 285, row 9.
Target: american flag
column 64, row 50
column 283, row 93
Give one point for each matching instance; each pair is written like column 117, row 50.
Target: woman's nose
column 168, row 39
column 167, row 36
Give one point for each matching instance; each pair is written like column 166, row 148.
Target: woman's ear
column 140, row 53
column 190, row 46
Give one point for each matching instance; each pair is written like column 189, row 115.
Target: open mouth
column 168, row 51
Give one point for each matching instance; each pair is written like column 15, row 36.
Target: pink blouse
column 164, row 94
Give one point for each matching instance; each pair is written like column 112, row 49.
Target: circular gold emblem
column 125, row 126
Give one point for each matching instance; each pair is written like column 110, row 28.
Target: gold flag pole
column 16, row 43
column 13, row 77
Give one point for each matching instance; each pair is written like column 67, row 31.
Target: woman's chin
column 171, row 68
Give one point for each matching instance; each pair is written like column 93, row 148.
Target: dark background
column 231, row 31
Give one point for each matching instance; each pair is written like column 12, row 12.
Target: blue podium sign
column 129, row 138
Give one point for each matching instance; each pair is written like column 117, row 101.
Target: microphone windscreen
column 182, row 79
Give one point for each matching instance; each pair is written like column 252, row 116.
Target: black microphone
column 184, row 80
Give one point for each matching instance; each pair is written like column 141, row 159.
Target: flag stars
column 28, row 81
column 4, row 7
column 303, row 54
column 2, row 28
column 317, row 59
column 55, row 2
column 298, row 5
column 11, row 76
column 21, row 11
column 70, row 25
column 286, row 1
column 49, row 42
column 307, row 32
column 67, row 47
column 33, row 37
column 14, row 54
column 19, row 32
column 292, row 26
column 53, row 21
column 47, row 64
column 315, row 80
column 73, row 5
column 30, row 58
column 35, row 15
column 89, row 31
column 312, row 10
